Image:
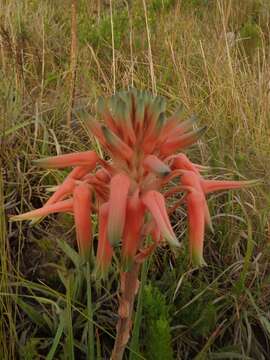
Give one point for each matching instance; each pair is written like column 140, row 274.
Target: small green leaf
column 32, row 313
column 71, row 253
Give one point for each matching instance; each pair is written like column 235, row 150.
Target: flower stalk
column 129, row 285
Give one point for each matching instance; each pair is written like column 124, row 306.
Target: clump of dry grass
column 191, row 52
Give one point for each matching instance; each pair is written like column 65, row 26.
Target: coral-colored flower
column 82, row 207
column 155, row 203
column 197, row 188
column 61, row 206
column 128, row 190
column 119, row 188
column 104, row 250
column 87, row 158
column 133, row 228
column 154, row 164
column 196, row 222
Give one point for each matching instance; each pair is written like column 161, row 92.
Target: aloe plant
column 127, row 191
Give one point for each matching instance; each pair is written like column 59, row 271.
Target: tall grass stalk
column 134, row 343
column 90, row 333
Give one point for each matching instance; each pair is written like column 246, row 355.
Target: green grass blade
column 31, row 312
column 90, row 337
column 71, row 253
column 68, row 321
column 228, row 355
column 16, row 127
column 240, row 285
column 134, row 343
column 56, row 339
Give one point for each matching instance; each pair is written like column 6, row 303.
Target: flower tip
column 254, row 182
column 198, row 259
column 35, row 221
column 40, row 162
column 16, row 218
column 173, row 242
column 154, row 164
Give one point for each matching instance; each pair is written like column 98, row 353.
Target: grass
column 211, row 56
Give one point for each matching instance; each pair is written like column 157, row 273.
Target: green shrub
column 157, row 325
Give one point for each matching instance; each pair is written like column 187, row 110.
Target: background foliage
column 211, row 56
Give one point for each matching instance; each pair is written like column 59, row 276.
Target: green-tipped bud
column 116, row 145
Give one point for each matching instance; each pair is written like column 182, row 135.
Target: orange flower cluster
column 126, row 191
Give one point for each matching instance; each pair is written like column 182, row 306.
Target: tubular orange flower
column 82, row 212
column 181, row 161
column 102, row 108
column 104, row 250
column 61, row 206
column 103, row 175
column 123, row 116
column 154, row 114
column 176, row 143
column 119, row 188
column 196, row 221
column 78, row 172
column 116, row 145
column 152, row 163
column 132, row 231
column 218, row 185
column 193, row 179
column 196, row 183
column 139, row 116
column 171, row 123
column 87, row 158
column 94, row 128
column 174, row 127
column 155, row 203
column 62, row 191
